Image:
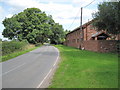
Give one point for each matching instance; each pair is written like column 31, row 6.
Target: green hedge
column 12, row 46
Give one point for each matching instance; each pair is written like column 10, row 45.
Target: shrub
column 12, row 46
column 38, row 44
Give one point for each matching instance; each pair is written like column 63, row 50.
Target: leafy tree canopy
column 34, row 26
column 108, row 16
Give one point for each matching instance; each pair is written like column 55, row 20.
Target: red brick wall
column 107, row 45
column 89, row 31
column 100, row 45
column 91, row 45
column 73, row 39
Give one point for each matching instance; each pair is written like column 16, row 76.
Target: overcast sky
column 63, row 11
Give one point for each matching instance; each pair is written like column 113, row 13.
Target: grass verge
column 15, row 54
column 85, row 69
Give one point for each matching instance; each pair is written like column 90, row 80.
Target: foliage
column 58, row 34
column 12, row 46
column 85, row 69
column 38, row 44
column 67, row 31
column 108, row 16
column 33, row 25
column 17, row 53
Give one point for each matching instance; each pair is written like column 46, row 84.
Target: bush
column 38, row 44
column 12, row 46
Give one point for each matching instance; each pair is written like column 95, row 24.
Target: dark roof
column 98, row 33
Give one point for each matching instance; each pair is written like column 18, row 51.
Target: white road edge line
column 12, row 69
column 57, row 57
column 50, row 69
column 44, row 79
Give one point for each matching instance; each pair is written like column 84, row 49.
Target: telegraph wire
column 79, row 12
column 74, row 19
column 88, row 4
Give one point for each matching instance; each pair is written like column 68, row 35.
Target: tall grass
column 9, row 47
column 12, row 49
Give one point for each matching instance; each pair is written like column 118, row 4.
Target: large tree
column 33, row 25
column 108, row 16
column 58, row 34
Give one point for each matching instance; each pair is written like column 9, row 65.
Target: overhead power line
column 79, row 12
column 88, row 4
column 74, row 19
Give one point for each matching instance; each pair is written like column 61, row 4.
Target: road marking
column 50, row 69
column 57, row 57
column 12, row 69
column 44, row 79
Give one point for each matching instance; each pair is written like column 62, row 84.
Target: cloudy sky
column 65, row 12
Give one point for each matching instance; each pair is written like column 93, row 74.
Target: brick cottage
column 92, row 40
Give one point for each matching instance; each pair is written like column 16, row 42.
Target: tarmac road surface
column 29, row 70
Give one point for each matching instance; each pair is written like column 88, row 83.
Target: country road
column 29, row 70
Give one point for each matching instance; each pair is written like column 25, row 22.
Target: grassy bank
column 15, row 54
column 85, row 69
column 12, row 49
column 9, row 47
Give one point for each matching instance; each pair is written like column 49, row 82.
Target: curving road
column 29, row 70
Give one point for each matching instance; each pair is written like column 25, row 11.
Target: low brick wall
column 100, row 45
column 96, row 45
column 71, row 44
column 90, row 45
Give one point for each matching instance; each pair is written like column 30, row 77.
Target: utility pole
column 82, row 36
column 80, row 29
column 82, row 32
